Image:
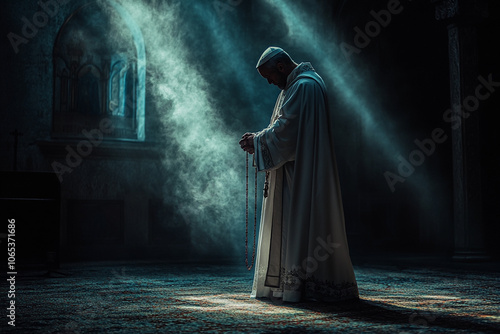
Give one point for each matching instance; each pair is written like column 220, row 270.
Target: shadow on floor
column 384, row 314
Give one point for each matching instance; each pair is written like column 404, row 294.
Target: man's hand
column 246, row 142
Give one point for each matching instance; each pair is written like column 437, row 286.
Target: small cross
column 16, row 135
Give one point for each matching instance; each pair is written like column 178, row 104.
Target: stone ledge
column 107, row 149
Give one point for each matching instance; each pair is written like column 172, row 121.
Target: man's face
column 274, row 75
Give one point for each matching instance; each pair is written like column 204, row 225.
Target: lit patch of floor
column 241, row 304
column 159, row 298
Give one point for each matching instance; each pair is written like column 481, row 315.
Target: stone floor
column 398, row 295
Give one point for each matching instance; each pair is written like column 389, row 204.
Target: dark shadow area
column 384, row 314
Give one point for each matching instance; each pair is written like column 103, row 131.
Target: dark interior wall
column 489, row 55
column 103, row 202
column 406, row 85
column 401, row 76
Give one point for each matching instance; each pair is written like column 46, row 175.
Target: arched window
column 99, row 72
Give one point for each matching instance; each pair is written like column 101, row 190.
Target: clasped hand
column 246, row 142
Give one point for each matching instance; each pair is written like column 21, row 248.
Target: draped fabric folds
column 302, row 246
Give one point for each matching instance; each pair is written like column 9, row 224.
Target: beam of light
column 202, row 159
column 228, row 45
column 229, row 50
column 345, row 78
column 378, row 130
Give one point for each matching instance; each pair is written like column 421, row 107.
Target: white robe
column 302, row 247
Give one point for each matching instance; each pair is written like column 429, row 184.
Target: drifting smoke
column 350, row 85
column 202, row 87
column 351, row 88
column 203, row 161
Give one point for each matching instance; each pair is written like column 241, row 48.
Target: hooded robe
column 302, row 246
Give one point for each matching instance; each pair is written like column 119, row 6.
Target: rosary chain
column 249, row 267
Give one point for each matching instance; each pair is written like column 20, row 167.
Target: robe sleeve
column 277, row 144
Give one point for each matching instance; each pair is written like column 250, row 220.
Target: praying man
column 302, row 249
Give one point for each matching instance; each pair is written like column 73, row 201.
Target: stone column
column 461, row 17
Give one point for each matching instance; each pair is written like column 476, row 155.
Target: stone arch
column 99, row 72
